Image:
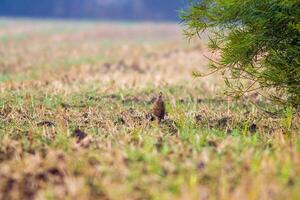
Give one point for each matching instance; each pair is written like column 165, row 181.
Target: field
column 74, row 97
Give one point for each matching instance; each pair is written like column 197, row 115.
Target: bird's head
column 160, row 95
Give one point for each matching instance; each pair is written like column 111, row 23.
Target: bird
column 159, row 109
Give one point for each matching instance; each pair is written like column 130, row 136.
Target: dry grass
column 73, row 106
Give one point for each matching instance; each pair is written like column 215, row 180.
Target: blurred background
column 150, row 10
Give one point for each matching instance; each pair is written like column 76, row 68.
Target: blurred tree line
column 108, row 9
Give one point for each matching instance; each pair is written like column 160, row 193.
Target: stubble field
column 74, row 99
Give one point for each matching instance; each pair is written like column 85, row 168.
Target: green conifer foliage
column 258, row 41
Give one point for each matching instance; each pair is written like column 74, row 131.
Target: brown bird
column 159, row 109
